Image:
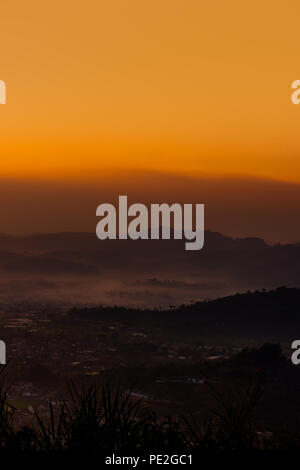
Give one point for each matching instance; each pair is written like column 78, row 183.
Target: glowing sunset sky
column 183, row 86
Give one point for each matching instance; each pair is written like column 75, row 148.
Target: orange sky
column 183, row 86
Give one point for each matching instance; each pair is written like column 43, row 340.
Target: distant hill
column 144, row 272
column 260, row 314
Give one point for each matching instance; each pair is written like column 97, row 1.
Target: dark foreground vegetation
column 206, row 377
column 107, row 420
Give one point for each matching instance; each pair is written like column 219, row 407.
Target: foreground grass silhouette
column 106, row 419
